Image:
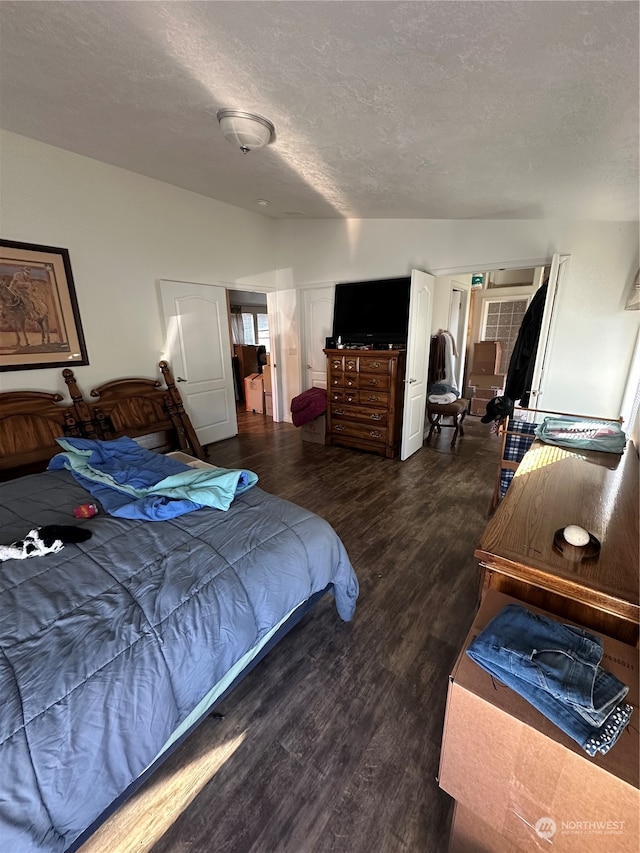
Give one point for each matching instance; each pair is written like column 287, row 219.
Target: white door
column 458, row 321
column 198, row 349
column 274, row 335
column 418, row 343
column 537, row 381
column 317, row 305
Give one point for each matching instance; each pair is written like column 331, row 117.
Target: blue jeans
column 557, row 669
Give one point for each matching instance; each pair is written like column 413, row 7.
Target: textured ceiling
column 437, row 110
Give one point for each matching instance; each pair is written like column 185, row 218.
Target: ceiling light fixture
column 246, row 130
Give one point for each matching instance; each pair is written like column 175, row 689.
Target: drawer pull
column 374, row 382
column 339, row 428
column 336, row 381
column 350, row 383
column 373, row 398
column 350, row 398
column 376, row 417
column 339, row 411
column 337, row 364
column 374, row 364
column 374, row 433
column 350, row 365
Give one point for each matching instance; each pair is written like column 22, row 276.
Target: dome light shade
column 246, row 130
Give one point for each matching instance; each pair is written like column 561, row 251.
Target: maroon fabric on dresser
column 309, row 405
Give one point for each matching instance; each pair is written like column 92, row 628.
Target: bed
column 113, row 649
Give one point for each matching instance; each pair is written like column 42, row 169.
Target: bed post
column 83, row 413
column 178, row 415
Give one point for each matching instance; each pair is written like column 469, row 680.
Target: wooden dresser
column 366, row 395
column 554, row 487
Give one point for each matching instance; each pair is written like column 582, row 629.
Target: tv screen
column 372, row 312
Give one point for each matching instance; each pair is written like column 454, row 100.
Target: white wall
column 594, row 337
column 124, row 232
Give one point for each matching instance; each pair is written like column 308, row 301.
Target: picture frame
column 39, row 318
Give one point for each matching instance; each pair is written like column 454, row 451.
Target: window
column 262, row 325
column 254, row 325
column 501, row 322
column 248, row 328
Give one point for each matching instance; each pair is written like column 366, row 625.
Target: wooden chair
column 456, row 410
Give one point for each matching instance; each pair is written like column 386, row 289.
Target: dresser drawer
column 336, row 363
column 347, row 395
column 349, row 429
column 371, row 364
column 373, row 382
column 373, row 398
column 336, row 379
column 351, row 364
column 359, row 414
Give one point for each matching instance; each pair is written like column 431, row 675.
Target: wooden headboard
column 30, row 422
column 143, row 409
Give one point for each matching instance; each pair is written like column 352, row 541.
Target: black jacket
column 523, row 358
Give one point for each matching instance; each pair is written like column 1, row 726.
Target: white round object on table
column 576, row 535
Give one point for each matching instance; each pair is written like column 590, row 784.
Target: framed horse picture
column 39, row 318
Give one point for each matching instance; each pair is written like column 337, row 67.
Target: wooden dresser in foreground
column 552, row 488
column 366, row 395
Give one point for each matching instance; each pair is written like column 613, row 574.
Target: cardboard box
column 268, row 404
column 471, row 834
column 266, row 378
column 493, row 381
column 486, row 357
column 315, row 430
column 519, row 773
column 479, row 397
column 254, row 393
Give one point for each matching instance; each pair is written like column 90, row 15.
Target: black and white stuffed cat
column 43, row 540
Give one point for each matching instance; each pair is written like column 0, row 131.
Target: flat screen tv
column 372, row 312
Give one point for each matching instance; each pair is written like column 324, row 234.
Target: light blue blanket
column 132, row 482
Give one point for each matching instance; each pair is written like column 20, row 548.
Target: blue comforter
column 132, row 482
column 107, row 645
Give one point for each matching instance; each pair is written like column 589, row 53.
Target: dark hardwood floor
column 332, row 743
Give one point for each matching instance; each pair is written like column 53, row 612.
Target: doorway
column 250, row 335
column 499, row 301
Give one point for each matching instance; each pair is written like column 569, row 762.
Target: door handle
column 180, row 379
column 308, row 367
column 410, row 381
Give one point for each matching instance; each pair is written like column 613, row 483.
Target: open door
column 272, row 313
column 418, row 340
column 198, row 349
column 317, row 310
column 558, row 265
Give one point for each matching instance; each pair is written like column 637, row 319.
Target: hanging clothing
column 523, row 358
column 449, row 359
column 442, row 360
column 436, row 359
